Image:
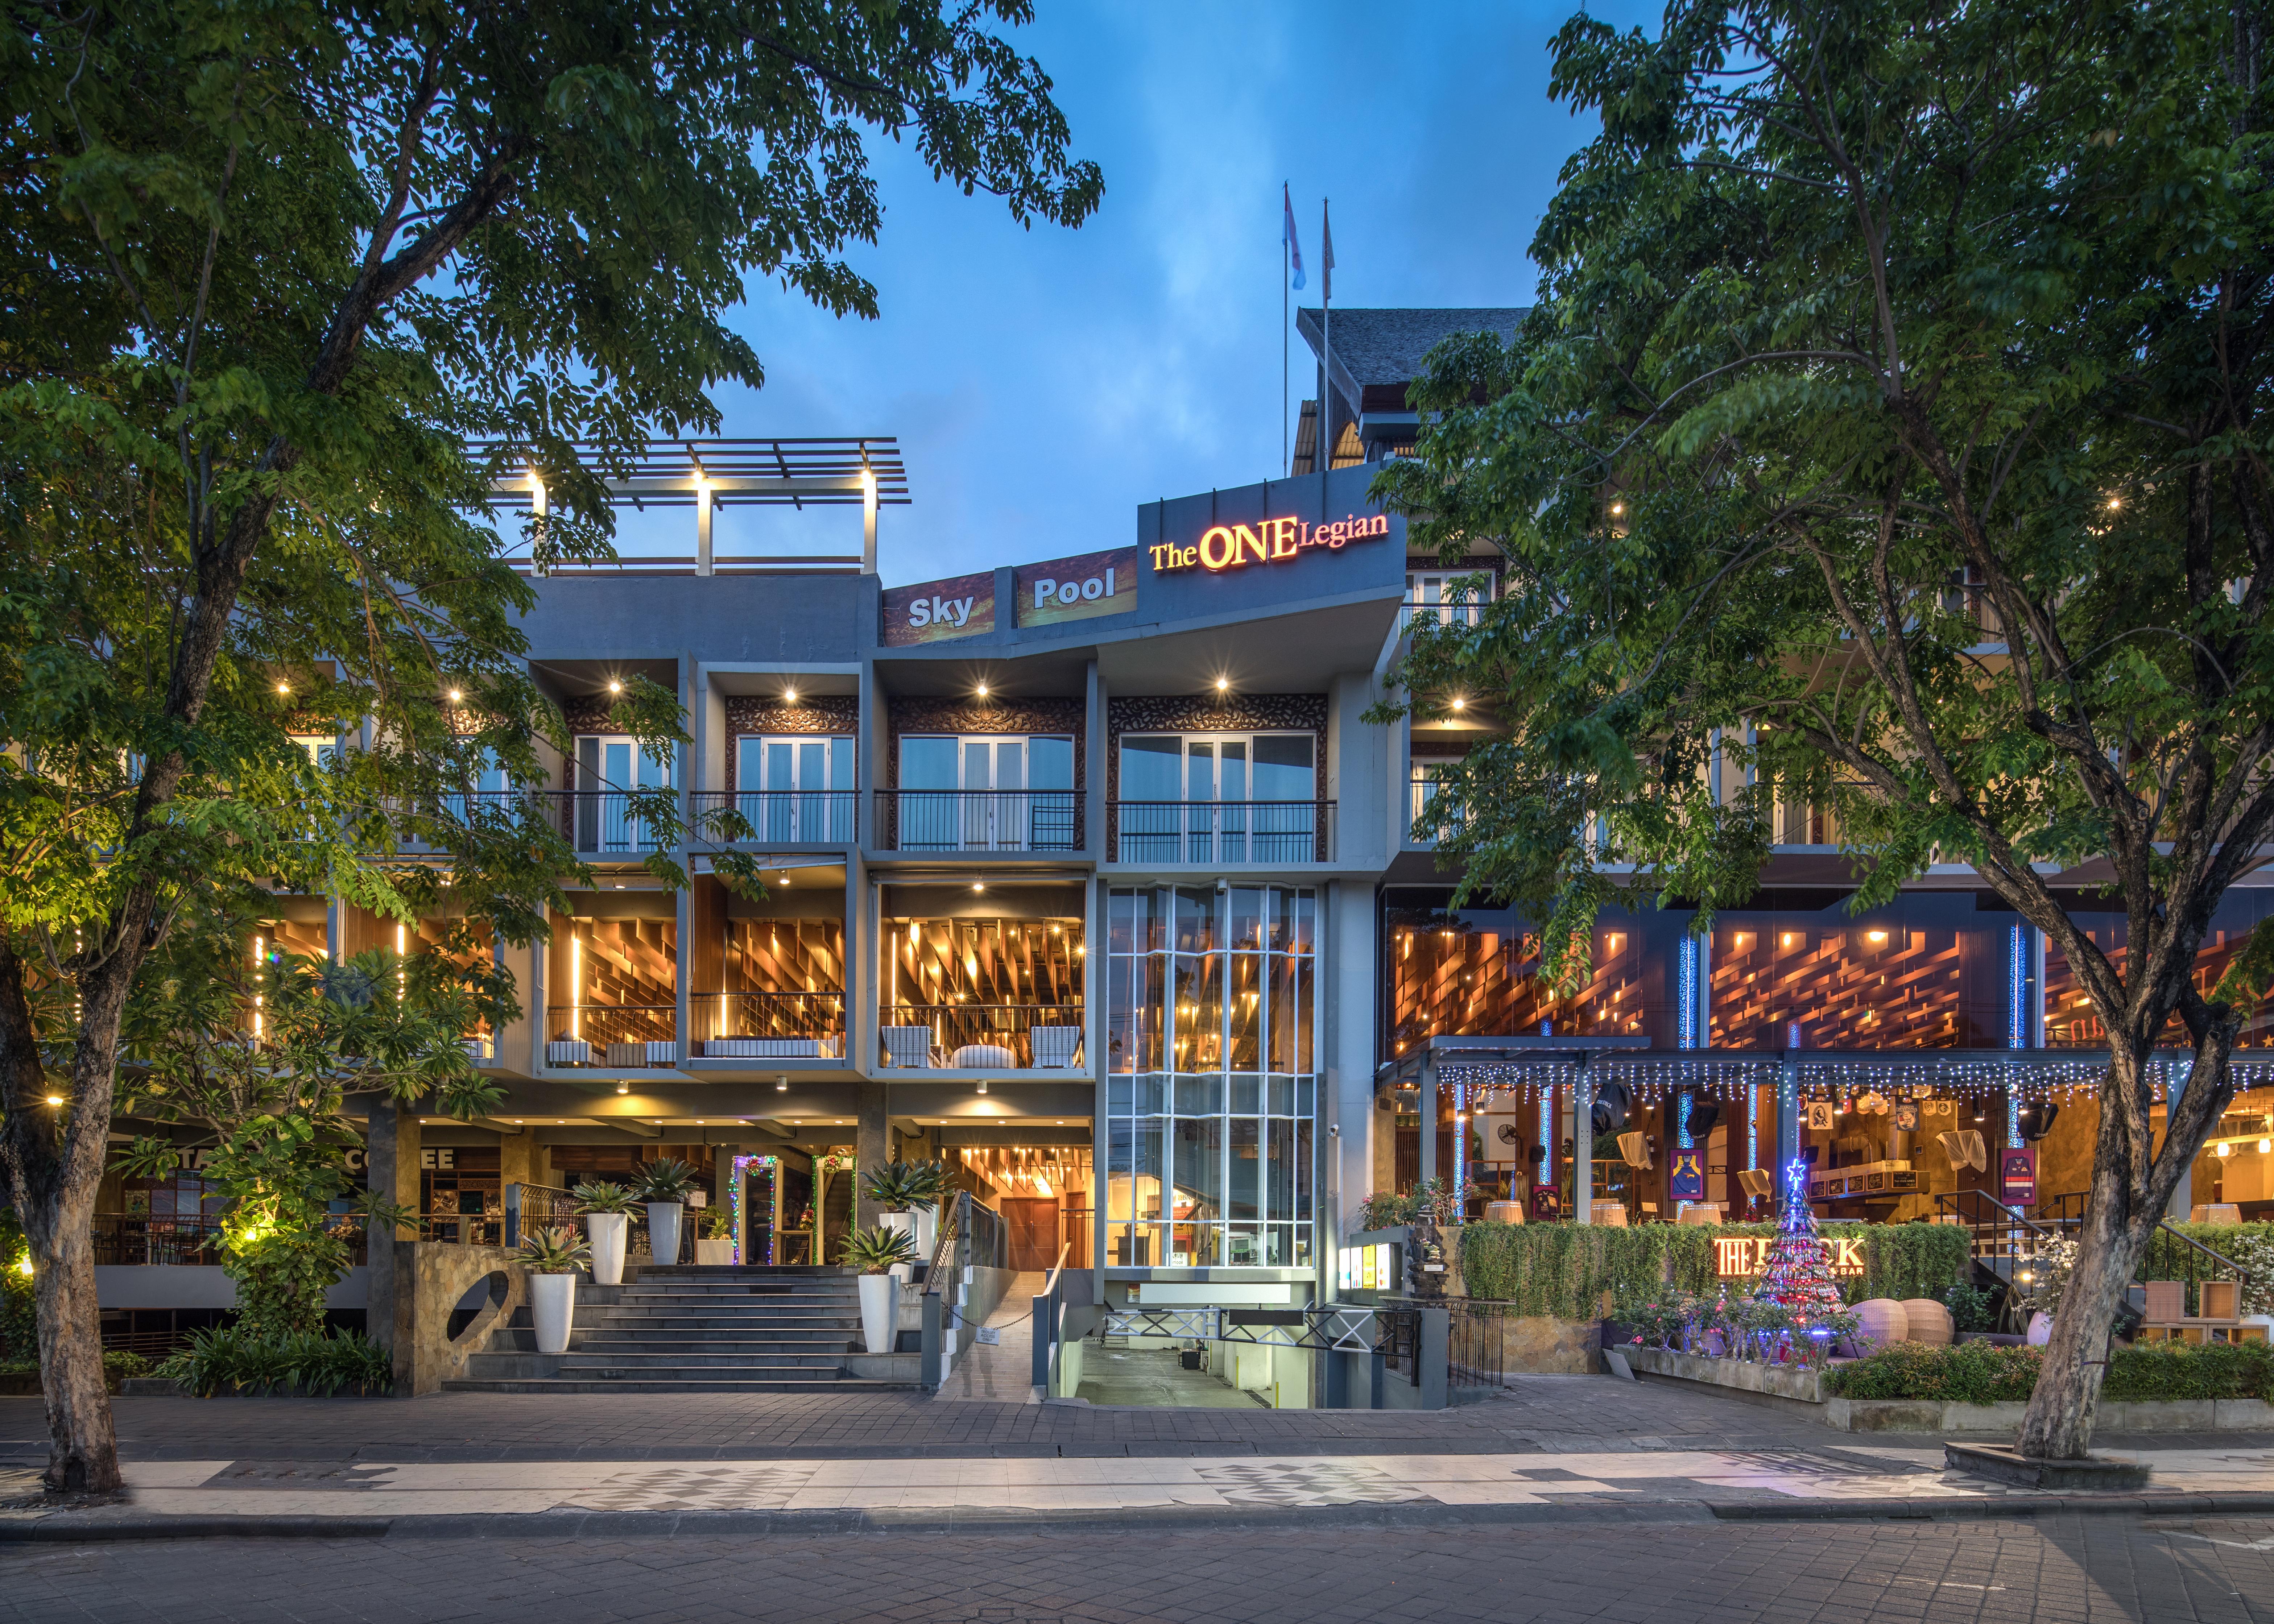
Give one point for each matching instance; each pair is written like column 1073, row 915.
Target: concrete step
column 709, row 1344
column 700, row 1363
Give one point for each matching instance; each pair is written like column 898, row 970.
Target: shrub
column 2152, row 1370
column 231, row 1358
column 1971, row 1308
column 1963, row 1373
column 1384, row 1211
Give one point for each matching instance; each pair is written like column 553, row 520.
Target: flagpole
column 1325, row 458
column 1285, row 271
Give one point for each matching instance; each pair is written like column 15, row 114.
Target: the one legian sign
column 1075, row 589
column 1222, row 547
column 936, row 610
column 1744, row 1257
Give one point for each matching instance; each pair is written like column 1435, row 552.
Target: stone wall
column 438, row 1276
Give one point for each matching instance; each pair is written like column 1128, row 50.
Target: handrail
column 1950, row 1199
column 1051, row 1284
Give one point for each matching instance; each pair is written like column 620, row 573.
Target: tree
column 270, row 269
column 258, row 1056
column 1892, row 430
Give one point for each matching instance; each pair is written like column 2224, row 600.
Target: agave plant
column 668, row 1180
column 554, row 1251
column 895, row 1186
column 599, row 1195
column 875, row 1252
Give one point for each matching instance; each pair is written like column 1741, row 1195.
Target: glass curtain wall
column 1212, row 1077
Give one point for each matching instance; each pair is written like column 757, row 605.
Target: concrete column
column 869, row 1148
column 391, row 1169
column 1582, row 1145
column 1429, row 1120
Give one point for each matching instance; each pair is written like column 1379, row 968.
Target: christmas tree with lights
column 1796, row 1273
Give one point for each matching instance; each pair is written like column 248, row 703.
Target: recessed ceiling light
column 1223, row 683
column 983, row 690
column 614, row 686
column 789, row 695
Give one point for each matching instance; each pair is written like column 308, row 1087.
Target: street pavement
column 2050, row 1570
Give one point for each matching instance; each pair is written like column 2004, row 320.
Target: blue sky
column 1043, row 383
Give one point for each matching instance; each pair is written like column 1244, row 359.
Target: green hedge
column 1564, row 1269
column 1978, row 1373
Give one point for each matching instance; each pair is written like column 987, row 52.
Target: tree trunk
column 2129, row 1191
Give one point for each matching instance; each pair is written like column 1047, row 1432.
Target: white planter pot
column 880, row 1296
column 927, row 1231
column 905, row 1224
column 663, row 1231
column 607, row 1232
column 714, row 1254
column 552, row 1305
column 2041, row 1329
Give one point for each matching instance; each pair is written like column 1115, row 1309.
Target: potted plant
column 552, row 1257
column 896, row 1187
column 664, row 1185
column 607, row 1222
column 930, row 1184
column 873, row 1254
column 716, row 1244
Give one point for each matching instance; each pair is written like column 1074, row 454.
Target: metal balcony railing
column 958, row 820
column 1222, row 831
column 786, row 817
column 769, row 1026
column 612, row 1034
column 981, row 1037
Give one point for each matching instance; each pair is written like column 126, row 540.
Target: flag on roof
column 1326, row 255
column 1287, row 236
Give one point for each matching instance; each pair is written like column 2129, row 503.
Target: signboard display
column 2017, row 1176
column 1744, row 1257
column 1076, row 589
column 933, row 611
column 1222, row 547
column 1685, row 1174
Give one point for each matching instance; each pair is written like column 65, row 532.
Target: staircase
column 696, row 1329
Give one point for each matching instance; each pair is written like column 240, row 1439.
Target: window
column 987, row 792
column 609, row 766
column 1210, row 798
column 796, row 788
column 1436, row 596
column 1212, row 1076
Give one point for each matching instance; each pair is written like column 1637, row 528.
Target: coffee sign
column 937, row 610
column 1222, row 547
column 1075, row 589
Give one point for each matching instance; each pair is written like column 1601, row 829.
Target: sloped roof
column 1386, row 346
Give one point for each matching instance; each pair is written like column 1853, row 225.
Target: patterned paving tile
column 696, row 1488
column 1321, row 1483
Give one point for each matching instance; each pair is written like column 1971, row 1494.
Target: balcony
column 786, row 817
column 981, row 1037
column 768, row 1026
column 958, row 820
column 1212, row 832
column 612, row 1034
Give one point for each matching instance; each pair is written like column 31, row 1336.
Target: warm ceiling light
column 1460, row 704
column 1875, row 935
column 614, row 686
column 283, row 687
column 2224, row 1150
column 623, row 1088
column 2265, row 1147
column 983, row 690
column 979, row 885
column 55, row 1099
column 781, row 1085
column 456, row 696
column 789, row 695
column 1223, row 683
column 983, row 1088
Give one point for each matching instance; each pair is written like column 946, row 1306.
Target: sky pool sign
column 960, row 607
column 1076, row 589
column 1223, row 547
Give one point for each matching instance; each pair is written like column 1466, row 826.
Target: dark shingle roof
column 1386, row 346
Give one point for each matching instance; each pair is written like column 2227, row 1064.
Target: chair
column 984, row 1058
column 1055, row 1046
column 907, row 1046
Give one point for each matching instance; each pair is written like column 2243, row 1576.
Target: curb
column 1997, row 1506
column 55, row 1531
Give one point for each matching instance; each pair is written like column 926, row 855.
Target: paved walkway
column 1001, row 1372
column 2054, row 1569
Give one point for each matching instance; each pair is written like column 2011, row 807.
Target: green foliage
column 319, row 1364
column 666, row 1180
column 718, row 1224
column 123, row 1364
column 1977, row 1372
column 600, row 1195
column 896, row 1187
column 1569, row 1270
column 2248, row 1247
column 20, row 1331
column 874, row 1252
column 1960, row 1373
column 1385, row 1210
column 1971, row 1307
column 554, row 1251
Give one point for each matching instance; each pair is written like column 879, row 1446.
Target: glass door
column 609, row 768
column 994, row 808
column 796, row 788
column 1219, row 798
